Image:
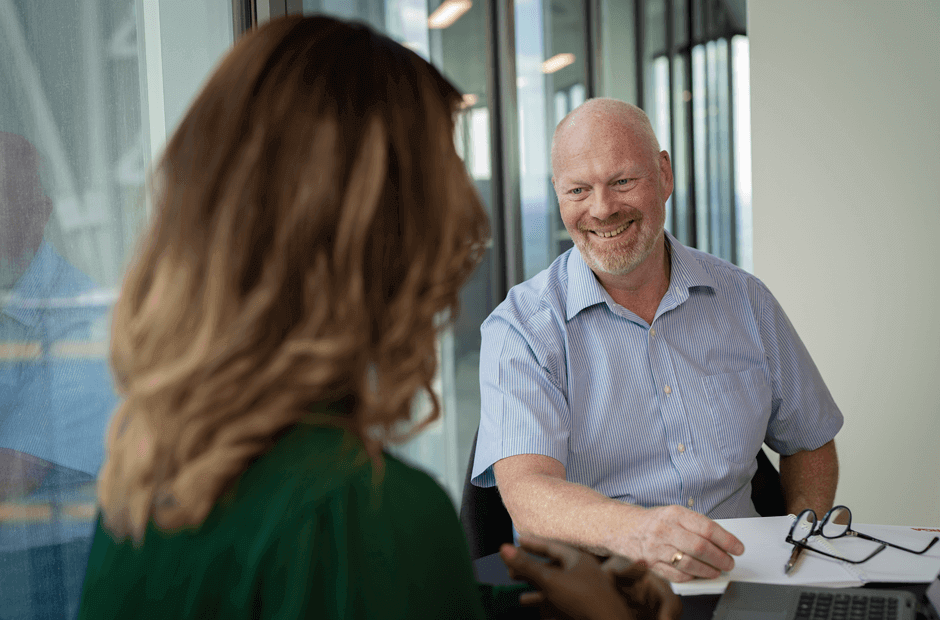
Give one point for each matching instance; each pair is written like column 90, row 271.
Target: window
column 87, row 96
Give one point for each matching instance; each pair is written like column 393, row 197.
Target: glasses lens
column 804, row 525
column 837, row 522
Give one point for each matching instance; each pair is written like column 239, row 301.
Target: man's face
column 612, row 188
column 24, row 209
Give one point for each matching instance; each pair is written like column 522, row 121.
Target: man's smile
column 613, row 233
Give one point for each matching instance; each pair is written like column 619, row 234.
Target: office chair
column 487, row 523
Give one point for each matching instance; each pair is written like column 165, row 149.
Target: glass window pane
column 76, row 132
column 551, row 81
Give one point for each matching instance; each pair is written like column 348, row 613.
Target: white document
column 766, row 552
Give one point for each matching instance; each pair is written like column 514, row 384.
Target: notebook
column 766, row 551
column 768, row 601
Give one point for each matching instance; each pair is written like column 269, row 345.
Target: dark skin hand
column 575, row 585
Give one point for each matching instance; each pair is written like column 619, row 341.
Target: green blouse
column 307, row 532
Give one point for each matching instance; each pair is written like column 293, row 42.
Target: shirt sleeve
column 524, row 405
column 804, row 415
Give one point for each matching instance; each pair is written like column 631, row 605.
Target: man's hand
column 543, row 502
column 680, row 544
column 20, row 474
column 573, row 584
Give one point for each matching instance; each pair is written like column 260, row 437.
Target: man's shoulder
column 545, row 293
column 725, row 273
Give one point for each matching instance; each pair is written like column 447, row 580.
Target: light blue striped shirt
column 672, row 413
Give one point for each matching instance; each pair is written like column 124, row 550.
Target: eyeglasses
column 836, row 524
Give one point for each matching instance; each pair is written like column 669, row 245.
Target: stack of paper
column 766, row 551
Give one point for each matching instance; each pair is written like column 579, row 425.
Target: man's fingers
column 711, row 531
column 691, row 566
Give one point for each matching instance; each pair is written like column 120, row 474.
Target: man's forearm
column 809, row 479
column 572, row 513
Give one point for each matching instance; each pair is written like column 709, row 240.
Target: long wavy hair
column 313, row 225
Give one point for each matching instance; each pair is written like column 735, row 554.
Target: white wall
column 845, row 104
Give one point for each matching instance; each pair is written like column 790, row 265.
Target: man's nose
column 603, row 204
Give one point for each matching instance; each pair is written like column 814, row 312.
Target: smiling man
column 627, row 389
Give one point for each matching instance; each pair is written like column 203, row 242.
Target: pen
column 791, row 563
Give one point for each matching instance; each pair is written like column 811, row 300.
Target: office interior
column 804, row 135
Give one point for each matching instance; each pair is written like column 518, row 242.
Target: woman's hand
column 574, row 585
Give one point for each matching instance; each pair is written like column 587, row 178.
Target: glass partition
column 551, row 80
column 78, row 120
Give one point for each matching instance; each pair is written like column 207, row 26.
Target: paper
column 766, row 551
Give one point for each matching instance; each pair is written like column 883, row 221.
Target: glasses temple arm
column 884, row 542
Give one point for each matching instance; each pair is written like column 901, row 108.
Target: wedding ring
column 676, row 558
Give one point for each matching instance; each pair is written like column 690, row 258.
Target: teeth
column 612, row 233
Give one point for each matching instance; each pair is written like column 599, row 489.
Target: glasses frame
column 817, row 528
column 852, row 533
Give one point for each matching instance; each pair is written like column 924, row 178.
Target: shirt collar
column 584, row 289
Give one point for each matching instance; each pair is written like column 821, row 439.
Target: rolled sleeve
column 804, row 415
column 524, row 409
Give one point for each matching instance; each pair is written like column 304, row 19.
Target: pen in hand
column 791, row 563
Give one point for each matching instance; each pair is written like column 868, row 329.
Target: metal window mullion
column 733, row 224
column 504, row 129
column 671, row 75
column 688, row 110
column 639, row 29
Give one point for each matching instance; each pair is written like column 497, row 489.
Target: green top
column 305, row 533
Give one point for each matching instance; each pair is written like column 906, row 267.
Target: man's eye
column 576, row 191
column 623, row 181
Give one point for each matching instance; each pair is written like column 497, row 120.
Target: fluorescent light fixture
column 556, row 62
column 470, row 100
column 449, row 12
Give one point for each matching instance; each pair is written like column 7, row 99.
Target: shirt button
column 652, row 332
column 667, row 390
column 681, row 448
column 691, row 502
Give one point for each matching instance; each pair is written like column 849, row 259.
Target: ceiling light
column 469, row 100
column 556, row 62
column 449, row 12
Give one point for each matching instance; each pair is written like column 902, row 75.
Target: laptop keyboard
column 835, row 606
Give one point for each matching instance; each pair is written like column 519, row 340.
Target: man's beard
column 622, row 258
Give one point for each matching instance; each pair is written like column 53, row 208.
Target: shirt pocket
column 739, row 405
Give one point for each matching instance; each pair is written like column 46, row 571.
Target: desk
column 490, row 569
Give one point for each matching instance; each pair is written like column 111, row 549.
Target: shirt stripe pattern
column 668, row 413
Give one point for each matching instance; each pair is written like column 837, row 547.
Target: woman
column 313, row 226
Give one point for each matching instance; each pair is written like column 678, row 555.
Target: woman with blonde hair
column 313, row 225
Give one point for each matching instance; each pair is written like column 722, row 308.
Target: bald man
column 627, row 389
column 55, row 400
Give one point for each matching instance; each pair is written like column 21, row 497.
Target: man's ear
column 665, row 174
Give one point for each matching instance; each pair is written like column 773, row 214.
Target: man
column 56, row 396
column 627, row 389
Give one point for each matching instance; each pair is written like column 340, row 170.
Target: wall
column 845, row 103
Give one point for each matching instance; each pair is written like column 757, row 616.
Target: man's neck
column 642, row 290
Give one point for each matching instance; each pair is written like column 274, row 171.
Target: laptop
column 765, row 601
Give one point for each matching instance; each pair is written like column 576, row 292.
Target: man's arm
column 809, row 479
column 543, row 503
